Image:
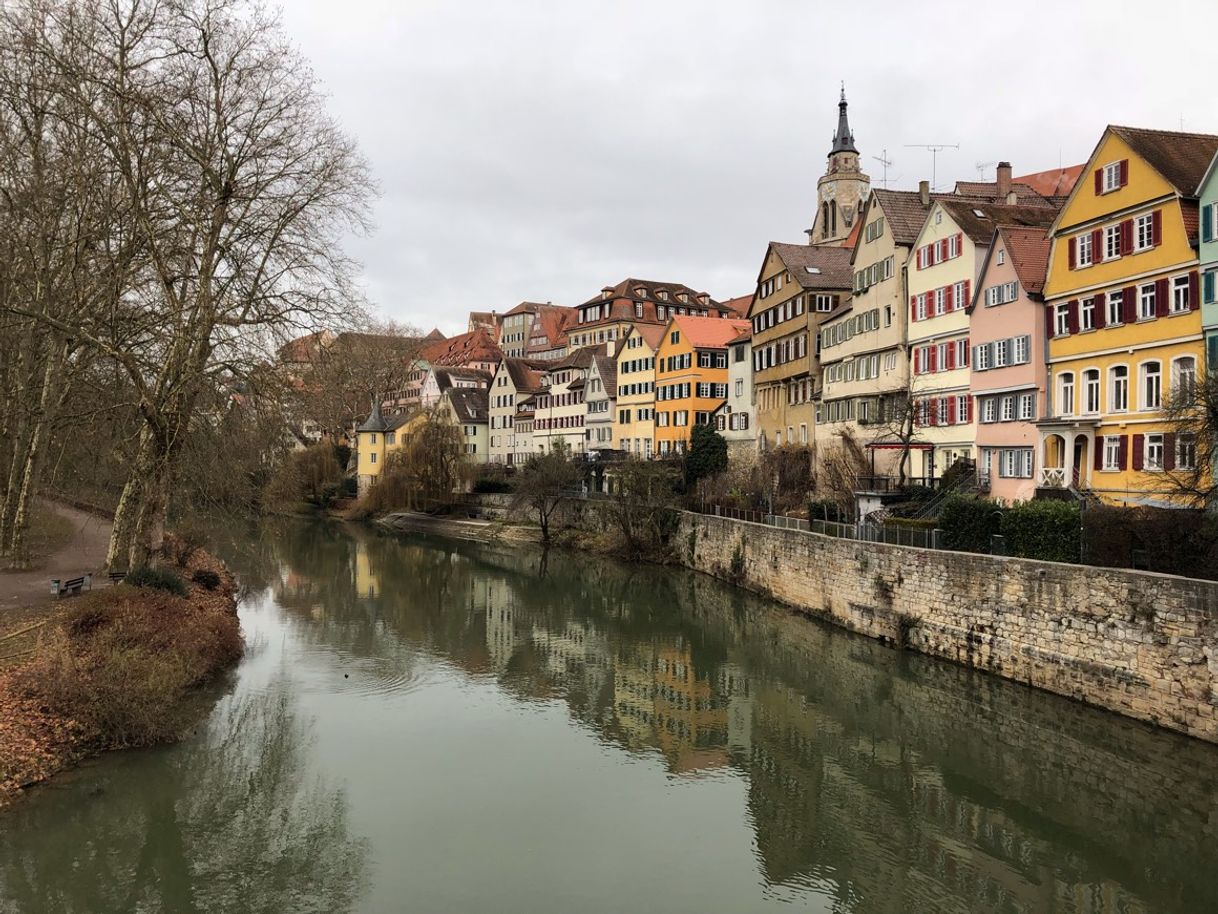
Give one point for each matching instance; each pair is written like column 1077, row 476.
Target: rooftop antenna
column 885, row 161
column 935, row 149
column 981, row 167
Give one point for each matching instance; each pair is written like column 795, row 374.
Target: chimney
column 1004, row 179
column 924, row 192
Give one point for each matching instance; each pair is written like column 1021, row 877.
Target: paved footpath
column 85, row 552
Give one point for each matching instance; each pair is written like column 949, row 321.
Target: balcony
column 1052, row 478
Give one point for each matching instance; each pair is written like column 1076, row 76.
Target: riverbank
column 1140, row 644
column 113, row 669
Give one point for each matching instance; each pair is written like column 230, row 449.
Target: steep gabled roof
column 446, row 376
column 816, row 266
column 469, row 403
column 554, row 320
column 978, row 220
column 606, row 367
column 1181, row 158
column 988, row 190
column 709, row 332
column 1053, row 182
column 475, row 346
column 738, row 306
column 626, row 289
column 1028, row 248
column 375, row 421
column 525, row 373
column 580, row 358
column 904, row 211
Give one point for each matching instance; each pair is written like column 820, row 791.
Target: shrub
column 825, row 509
column 1169, row 540
column 490, row 485
column 1047, row 530
column 350, row 487
column 208, row 580
column 156, row 579
column 968, row 523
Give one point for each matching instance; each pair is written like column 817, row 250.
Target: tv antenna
column 935, row 149
column 981, row 167
column 885, row 161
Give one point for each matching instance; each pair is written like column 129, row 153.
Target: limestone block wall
column 1144, row 645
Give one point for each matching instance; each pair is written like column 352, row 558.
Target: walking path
column 84, row 553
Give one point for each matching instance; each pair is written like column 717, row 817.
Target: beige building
column 560, row 410
column 634, row 427
column 515, row 380
column 600, row 396
column 798, row 286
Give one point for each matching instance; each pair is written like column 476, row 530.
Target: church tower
column 842, row 190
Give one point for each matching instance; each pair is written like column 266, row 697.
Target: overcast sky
column 541, row 149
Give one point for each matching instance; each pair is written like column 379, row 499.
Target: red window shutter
column 1099, row 180
column 1169, row 450
column 951, row 356
column 1098, row 457
column 1100, row 315
column 969, row 406
column 1124, row 172
column 1123, row 453
column 1072, row 315
column 917, row 361
column 967, row 349
column 1156, row 227
column 1129, row 305
column 947, row 298
column 913, row 307
column 1073, row 253
column 959, row 243
column 1127, row 236
column 1162, row 306
column 1097, row 245
column 968, row 291
column 1139, row 448
column 1049, row 328
column 933, row 352
column 1194, row 297
column 951, row 410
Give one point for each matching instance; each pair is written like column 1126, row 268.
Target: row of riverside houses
column 1034, row 326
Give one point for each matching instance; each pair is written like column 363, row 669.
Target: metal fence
column 892, row 534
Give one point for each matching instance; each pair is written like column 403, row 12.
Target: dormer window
column 662, row 295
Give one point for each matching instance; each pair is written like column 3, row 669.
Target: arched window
column 824, row 219
column 1184, row 379
column 1091, row 391
column 833, row 215
column 1118, row 388
column 1150, row 385
column 1065, row 393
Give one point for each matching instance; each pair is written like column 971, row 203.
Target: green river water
column 431, row 726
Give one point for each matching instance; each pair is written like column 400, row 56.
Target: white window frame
column 1083, row 254
column 1144, row 232
column 1065, row 393
column 1150, row 385
column 1153, row 452
column 1147, row 300
column 1112, row 177
column 1112, row 242
column 1180, row 293
column 1115, row 404
column 1092, row 384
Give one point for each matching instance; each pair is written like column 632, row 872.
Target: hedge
column 968, row 523
column 1047, row 530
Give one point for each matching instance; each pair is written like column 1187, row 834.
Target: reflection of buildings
column 367, row 583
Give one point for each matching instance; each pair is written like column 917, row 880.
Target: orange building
column 691, row 376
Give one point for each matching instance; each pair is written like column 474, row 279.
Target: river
column 432, row 726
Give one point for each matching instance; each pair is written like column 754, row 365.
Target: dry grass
column 115, row 670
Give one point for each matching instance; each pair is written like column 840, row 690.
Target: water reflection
column 866, row 781
column 230, row 821
column 890, row 782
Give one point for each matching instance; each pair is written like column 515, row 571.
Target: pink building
column 1007, row 334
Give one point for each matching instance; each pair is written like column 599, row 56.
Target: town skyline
column 581, row 183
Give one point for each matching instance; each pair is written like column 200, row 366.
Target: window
column 372, row 457
column 675, row 336
column 1022, row 345
column 824, row 303
column 1002, row 257
column 1002, row 353
column 372, row 438
column 1151, row 384
column 1118, row 389
column 1061, row 320
column 984, row 359
column 1091, row 391
column 1184, row 379
column 1087, row 314
column 1027, row 406
column 1186, row 451
column 1154, row 452
column 1180, row 295
column 391, row 437
column 1083, row 252
column 940, row 300
column 739, row 387
column 1115, row 303
column 1146, row 302
column 962, row 409
column 1143, row 232
column 1112, row 177
column 989, row 409
column 1015, row 463
column 1007, row 408
column 1065, row 394
column 1112, row 242
column 1112, row 452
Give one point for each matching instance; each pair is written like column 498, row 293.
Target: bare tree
column 236, row 188
column 1190, row 449
column 897, row 425
column 545, row 482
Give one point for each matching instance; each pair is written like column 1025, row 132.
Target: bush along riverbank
column 118, row 668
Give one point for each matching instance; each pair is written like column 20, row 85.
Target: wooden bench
column 62, row 588
column 116, row 576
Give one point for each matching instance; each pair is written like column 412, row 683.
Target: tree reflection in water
column 230, row 821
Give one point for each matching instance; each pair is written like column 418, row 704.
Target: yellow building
column 1123, row 318
column 634, row 428
column 690, row 376
column 375, row 439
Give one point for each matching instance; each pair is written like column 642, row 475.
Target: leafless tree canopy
column 183, row 196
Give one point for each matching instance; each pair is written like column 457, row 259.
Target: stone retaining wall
column 1144, row 645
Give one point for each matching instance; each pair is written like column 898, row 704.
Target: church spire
column 843, row 140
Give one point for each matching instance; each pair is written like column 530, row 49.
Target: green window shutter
column 1207, row 222
column 1207, row 294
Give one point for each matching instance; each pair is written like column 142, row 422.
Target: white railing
column 1053, row 477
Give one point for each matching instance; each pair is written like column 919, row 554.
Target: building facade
column 634, row 428
column 1207, row 191
column 515, row 380
column 798, row 286
column 691, row 377
column 601, row 397
column 735, row 417
column 604, row 320
column 466, row 408
column 1123, row 313
column 560, row 409
column 1008, row 376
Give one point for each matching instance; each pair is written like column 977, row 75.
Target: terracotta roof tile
column 1054, row 182
column 606, row 367
column 738, row 306
column 1028, row 248
column 904, row 212
column 525, row 373
column 626, row 290
column 475, row 346
column 709, row 332
column 1181, row 158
